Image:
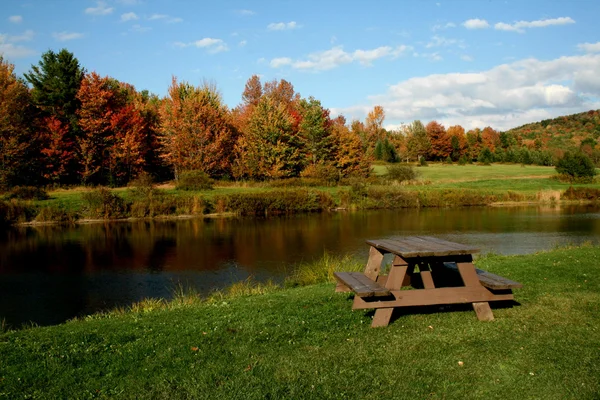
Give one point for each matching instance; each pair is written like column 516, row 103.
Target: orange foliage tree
column 458, row 141
column 350, row 159
column 196, row 130
column 441, row 142
column 16, row 141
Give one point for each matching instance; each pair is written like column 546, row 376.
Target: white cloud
column 476, row 23
column 439, row 27
column 282, row 26
column 130, row 16
column 337, row 56
column 245, row 12
column 139, row 28
column 520, row 26
column 10, row 51
column 15, row 19
column 242, row 43
column 589, row 47
column 163, row 17
column 466, row 57
column 64, row 36
column 503, row 97
column 129, row 2
column 26, row 36
column 440, row 41
column 210, row 44
column 100, row 9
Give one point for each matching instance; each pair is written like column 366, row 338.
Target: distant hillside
column 566, row 132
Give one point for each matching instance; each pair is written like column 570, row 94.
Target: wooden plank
column 396, row 277
column 382, row 317
column 421, row 246
column 361, row 285
column 430, row 297
column 483, row 311
column 490, row 280
column 373, row 267
column 427, row 280
column 468, row 274
column 462, row 248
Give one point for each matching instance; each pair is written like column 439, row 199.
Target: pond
column 49, row 274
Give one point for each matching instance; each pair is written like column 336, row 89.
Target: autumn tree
column 349, row 157
column 56, row 81
column 111, row 145
column 474, row 143
column 196, row 130
column 490, row 138
column 458, row 141
column 418, row 144
column 17, row 144
column 269, row 147
column 252, row 91
column 441, row 142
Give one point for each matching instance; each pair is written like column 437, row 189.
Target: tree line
column 62, row 125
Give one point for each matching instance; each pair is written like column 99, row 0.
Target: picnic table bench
column 441, row 272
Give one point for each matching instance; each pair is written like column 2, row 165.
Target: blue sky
column 474, row 63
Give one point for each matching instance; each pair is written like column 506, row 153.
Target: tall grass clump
column 194, row 180
column 102, row 203
column 276, row 202
column 581, row 193
column 454, row 198
column 57, row 214
column 14, row 211
column 322, row 270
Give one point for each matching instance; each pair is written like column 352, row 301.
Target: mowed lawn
column 306, row 343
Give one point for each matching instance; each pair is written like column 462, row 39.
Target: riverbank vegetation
column 263, row 341
column 391, row 186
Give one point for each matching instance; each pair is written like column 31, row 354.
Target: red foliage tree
column 441, row 142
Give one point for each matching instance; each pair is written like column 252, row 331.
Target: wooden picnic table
column 441, row 272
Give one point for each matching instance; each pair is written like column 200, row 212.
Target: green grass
column 306, row 343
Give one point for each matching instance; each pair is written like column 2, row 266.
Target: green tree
column 56, row 81
column 269, row 147
column 418, row 144
column 576, row 165
column 315, row 131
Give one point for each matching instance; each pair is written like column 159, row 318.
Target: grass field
column 306, row 343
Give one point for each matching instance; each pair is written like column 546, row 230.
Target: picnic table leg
column 374, row 264
column 382, row 317
column 395, row 280
column 469, row 277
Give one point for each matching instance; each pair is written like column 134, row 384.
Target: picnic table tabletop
column 422, row 246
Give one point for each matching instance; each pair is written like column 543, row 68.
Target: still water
column 50, row 274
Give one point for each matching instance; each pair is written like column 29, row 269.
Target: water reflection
column 50, row 274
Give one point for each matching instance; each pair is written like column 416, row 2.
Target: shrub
column 194, row 180
column 462, row 160
column 328, row 174
column 422, row 162
column 401, row 173
column 102, row 203
column 15, row 211
column 57, row 214
column 576, row 166
column 485, row 157
column 27, row 193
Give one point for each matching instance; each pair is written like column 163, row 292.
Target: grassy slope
column 307, row 343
